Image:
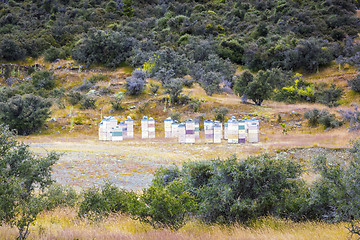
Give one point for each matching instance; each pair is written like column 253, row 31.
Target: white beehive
column 242, row 132
column 102, row 131
column 217, row 132
column 117, row 133
column 144, row 127
column 182, row 133
column 253, row 136
column 168, row 127
column 174, row 129
column 108, row 124
column 209, row 131
column 190, row 131
column 233, row 131
column 129, row 127
column 221, row 126
column 151, row 127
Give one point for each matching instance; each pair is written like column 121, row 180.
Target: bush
column 220, row 113
column 355, row 83
column 98, row 203
column 11, row 50
column 87, row 102
column 85, row 86
column 166, row 206
column 135, row 84
column 25, row 113
column 74, row 97
column 60, row 196
column 316, row 117
column 52, row 54
column 330, row 96
column 174, row 88
column 154, row 87
column 116, row 101
column 43, row 80
column 194, row 105
column 97, row 78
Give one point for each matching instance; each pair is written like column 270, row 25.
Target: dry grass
column 64, row 224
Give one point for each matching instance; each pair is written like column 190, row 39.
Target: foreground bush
column 23, row 179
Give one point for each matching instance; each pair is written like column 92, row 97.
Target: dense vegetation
column 171, row 39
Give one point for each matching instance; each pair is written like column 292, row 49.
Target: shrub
column 74, row 97
column 60, row 196
column 194, row 105
column 355, row 83
column 154, row 87
column 323, row 117
column 330, row 96
column 174, row 88
column 97, row 78
column 11, row 50
column 166, row 206
column 220, row 113
column 187, row 82
column 25, row 113
column 43, row 80
column 353, row 117
column 98, row 203
column 52, row 54
column 85, row 86
column 134, row 86
column 87, row 102
column 116, row 101
column 175, row 116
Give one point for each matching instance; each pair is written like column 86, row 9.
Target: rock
column 294, row 113
column 53, row 120
column 63, row 127
column 132, row 107
column 111, row 111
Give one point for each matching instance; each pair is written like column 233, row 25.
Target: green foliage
column 43, row 80
column 60, row 196
column 167, row 206
column 154, row 87
column 136, row 84
column 99, row 47
column 74, row 97
column 176, row 116
column 87, row 102
column 11, row 50
column 194, row 105
column 52, row 54
column 316, row 117
column 23, row 179
column 97, row 78
column 98, row 203
column 116, row 101
column 355, row 83
column 174, row 88
column 330, row 96
column 25, row 114
column 220, row 113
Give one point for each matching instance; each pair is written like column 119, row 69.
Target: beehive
column 174, row 129
column 241, row 127
column 168, row 127
column 209, row 131
column 197, row 129
column 217, row 132
column 233, row 131
column 129, row 127
column 117, row 133
column 221, row 128
column 102, row 131
column 151, row 127
column 246, row 128
column 108, row 124
column 190, row 131
column 253, row 127
column 225, row 131
column 124, row 129
column 182, row 133
column 144, row 127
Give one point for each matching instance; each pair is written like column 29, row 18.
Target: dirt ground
column 130, row 164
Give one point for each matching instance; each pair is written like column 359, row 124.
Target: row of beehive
column 235, row 131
